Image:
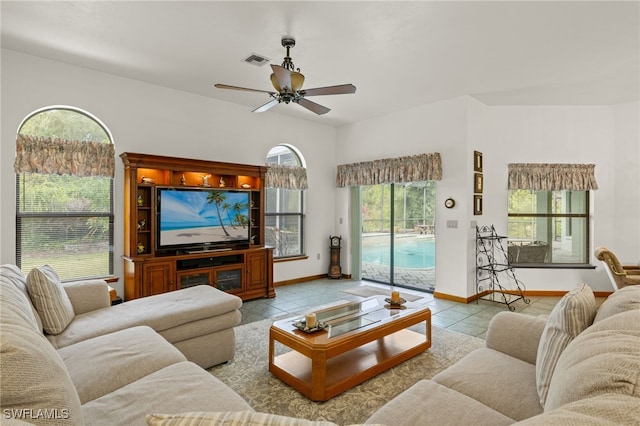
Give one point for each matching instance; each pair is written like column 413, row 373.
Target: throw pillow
column 229, row 418
column 50, row 299
column 572, row 315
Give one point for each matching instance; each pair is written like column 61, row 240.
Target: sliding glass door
column 398, row 234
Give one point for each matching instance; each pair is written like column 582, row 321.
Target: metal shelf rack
column 492, row 260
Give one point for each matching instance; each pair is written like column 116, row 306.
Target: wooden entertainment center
column 243, row 268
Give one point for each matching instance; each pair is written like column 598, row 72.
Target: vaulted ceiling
column 398, row 54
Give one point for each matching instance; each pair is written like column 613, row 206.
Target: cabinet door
column 158, row 278
column 228, row 278
column 194, row 277
column 256, row 270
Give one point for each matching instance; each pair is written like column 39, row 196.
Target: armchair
column 619, row 275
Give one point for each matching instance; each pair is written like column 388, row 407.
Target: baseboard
column 445, row 296
column 527, row 293
column 299, row 280
column 306, row 279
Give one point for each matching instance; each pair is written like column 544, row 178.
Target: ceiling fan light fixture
column 297, row 80
column 274, row 82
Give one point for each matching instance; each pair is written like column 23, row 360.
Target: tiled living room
column 175, row 190
column 472, row 318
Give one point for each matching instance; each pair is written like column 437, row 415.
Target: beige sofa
column 112, row 365
column 579, row 367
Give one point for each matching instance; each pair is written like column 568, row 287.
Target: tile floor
column 472, row 318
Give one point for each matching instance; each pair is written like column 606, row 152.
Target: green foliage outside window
column 65, row 221
column 414, row 205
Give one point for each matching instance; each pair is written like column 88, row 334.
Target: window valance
column 35, row 154
column 552, row 177
column 412, row 168
column 286, row 177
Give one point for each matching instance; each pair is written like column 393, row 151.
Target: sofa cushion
column 604, row 410
column 625, row 299
column 11, row 274
column 516, row 335
column 605, row 358
column 35, row 382
column 50, row 299
column 428, row 403
column 175, row 315
column 177, row 388
column 571, row 315
column 485, row 374
column 229, row 418
column 103, row 364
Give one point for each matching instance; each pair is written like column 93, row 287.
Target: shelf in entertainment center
column 149, row 271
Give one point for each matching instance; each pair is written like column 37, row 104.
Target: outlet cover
column 452, row 224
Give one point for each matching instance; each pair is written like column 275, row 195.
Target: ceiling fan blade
column 283, row 76
column 341, row 89
column 268, row 105
column 312, row 106
column 226, row 86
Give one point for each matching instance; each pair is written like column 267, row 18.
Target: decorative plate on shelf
column 302, row 325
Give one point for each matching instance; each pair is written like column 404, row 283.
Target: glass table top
column 343, row 318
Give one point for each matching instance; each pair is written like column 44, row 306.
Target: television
column 200, row 219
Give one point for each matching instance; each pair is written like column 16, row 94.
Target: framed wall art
column 477, row 161
column 477, row 183
column 477, row 205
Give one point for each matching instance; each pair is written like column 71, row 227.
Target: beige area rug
column 368, row 291
column 248, row 375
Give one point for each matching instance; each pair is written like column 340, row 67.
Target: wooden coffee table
column 361, row 340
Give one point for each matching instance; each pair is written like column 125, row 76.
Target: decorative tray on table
column 395, row 305
column 302, row 326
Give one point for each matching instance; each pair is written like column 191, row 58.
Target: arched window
column 284, row 213
column 64, row 194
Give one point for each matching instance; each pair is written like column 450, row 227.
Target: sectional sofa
column 579, row 366
column 97, row 364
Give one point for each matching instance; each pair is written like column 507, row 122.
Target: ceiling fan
column 287, row 81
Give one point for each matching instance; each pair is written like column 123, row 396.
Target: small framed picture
column 477, row 161
column 477, row 205
column 477, row 183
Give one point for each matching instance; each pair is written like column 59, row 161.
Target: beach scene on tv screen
column 199, row 216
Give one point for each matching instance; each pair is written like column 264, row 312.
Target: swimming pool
column 410, row 253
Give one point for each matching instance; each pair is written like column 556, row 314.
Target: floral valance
column 42, row 155
column 286, row 177
column 552, row 177
column 413, row 168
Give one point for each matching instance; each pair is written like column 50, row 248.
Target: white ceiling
column 398, row 54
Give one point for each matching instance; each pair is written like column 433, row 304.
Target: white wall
column 604, row 135
column 567, row 134
column 626, row 154
column 154, row 120
column 438, row 127
column 150, row 119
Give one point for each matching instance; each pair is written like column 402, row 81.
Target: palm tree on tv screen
column 240, row 219
column 227, row 207
column 218, row 198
